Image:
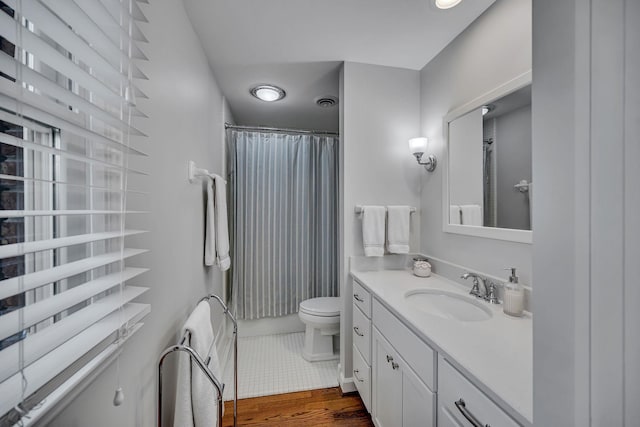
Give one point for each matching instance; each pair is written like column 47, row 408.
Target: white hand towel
column 399, row 220
column 222, row 225
column 195, row 396
column 373, row 224
column 471, row 214
column 454, row 214
column 210, row 221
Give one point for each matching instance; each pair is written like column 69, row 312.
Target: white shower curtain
column 284, row 203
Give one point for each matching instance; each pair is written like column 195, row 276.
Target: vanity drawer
column 362, row 333
column 453, row 386
column 362, row 298
column 416, row 352
column 362, row 378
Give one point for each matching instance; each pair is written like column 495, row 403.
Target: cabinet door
column 387, row 385
column 464, row 401
column 417, row 400
column 445, row 419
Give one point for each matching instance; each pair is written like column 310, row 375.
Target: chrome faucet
column 489, row 292
column 475, row 290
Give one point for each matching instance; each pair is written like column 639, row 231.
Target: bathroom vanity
column 425, row 353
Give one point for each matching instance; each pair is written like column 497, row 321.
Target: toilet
column 322, row 319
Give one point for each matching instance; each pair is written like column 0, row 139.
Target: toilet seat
column 321, row 307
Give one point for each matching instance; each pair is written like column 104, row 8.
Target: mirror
column 488, row 186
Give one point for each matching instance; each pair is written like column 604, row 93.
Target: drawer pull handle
column 389, row 358
column 462, row 407
column 355, row 374
column 357, row 298
column 394, row 366
column 357, row 331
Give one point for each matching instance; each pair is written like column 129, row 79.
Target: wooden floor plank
column 315, row 408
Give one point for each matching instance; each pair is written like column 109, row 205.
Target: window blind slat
column 92, row 187
column 50, row 365
column 16, row 91
column 66, row 134
column 24, row 213
column 10, row 287
column 10, row 67
column 35, row 313
column 43, row 116
column 16, row 142
column 18, row 249
column 46, row 53
column 81, row 23
column 102, row 18
column 59, row 31
column 137, row 13
column 38, row 344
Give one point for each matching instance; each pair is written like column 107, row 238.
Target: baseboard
column 347, row 385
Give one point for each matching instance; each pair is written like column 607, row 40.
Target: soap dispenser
column 513, row 295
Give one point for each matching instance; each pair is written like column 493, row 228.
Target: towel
column 454, row 214
column 398, row 224
column 196, row 403
column 210, row 221
column 471, row 215
column 373, row 222
column 221, row 224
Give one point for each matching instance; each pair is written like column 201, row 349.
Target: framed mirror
column 487, row 167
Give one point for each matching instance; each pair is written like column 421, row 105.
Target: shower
column 488, row 182
column 284, row 202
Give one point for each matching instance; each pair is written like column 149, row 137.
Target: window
column 67, row 99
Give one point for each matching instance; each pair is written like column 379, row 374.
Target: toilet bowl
column 321, row 317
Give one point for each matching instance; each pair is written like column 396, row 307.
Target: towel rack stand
column 203, row 365
column 359, row 209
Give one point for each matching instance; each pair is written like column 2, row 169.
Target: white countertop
column 497, row 354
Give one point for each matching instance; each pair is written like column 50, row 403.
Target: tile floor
column 273, row 364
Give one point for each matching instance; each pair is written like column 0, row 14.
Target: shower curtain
column 284, row 211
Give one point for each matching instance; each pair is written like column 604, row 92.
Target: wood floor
column 317, row 408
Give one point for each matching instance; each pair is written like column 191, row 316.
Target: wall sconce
column 418, row 146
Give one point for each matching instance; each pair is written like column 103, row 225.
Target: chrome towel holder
column 203, row 365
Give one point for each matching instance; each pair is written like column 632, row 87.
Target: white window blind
column 67, row 146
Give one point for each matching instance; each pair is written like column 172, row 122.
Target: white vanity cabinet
column 460, row 403
column 362, row 343
column 403, row 380
column 400, row 398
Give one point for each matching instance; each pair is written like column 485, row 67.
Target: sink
column 448, row 305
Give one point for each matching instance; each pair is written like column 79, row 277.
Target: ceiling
column 299, row 45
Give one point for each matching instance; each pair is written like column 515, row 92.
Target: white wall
column 586, row 120
column 494, row 49
column 465, row 150
column 379, row 114
column 186, row 112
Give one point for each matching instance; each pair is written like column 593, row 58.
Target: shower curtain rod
column 259, row 128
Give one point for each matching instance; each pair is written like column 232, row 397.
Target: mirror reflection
column 490, row 164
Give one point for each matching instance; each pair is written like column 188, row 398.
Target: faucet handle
column 492, row 294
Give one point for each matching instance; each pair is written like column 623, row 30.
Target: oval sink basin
column 448, row 305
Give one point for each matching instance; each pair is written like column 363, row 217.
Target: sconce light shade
column 418, row 146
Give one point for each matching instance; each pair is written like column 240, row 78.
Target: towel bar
column 203, row 366
column 359, row 209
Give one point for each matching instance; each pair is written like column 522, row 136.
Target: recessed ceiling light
column 447, row 4
column 268, row 93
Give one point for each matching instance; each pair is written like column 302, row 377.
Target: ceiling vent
column 327, row 101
